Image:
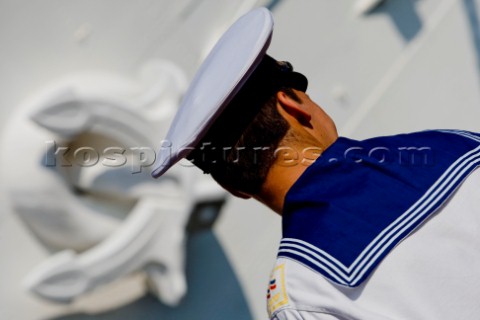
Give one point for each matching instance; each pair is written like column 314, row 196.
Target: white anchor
column 77, row 208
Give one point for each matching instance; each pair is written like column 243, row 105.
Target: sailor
column 385, row 228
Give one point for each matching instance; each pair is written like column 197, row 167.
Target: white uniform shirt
column 434, row 273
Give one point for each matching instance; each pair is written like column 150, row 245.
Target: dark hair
column 245, row 166
column 239, row 146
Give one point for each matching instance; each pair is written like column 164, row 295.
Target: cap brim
column 220, row 77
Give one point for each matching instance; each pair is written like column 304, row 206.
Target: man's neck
column 290, row 164
column 311, row 132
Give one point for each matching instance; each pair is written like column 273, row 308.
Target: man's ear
column 293, row 108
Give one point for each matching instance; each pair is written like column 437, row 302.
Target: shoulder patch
column 277, row 294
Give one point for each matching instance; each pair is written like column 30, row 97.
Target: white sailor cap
column 236, row 70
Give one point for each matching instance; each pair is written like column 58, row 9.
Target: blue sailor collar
column 361, row 198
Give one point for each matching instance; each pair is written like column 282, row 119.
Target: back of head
column 228, row 123
column 243, row 166
column 239, row 149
